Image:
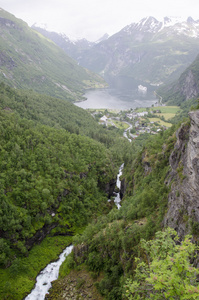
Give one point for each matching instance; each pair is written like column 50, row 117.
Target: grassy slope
column 19, row 279
column 31, row 61
column 167, row 112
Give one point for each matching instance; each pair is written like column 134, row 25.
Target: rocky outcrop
column 185, row 88
column 78, row 285
column 39, row 235
column 183, row 202
column 108, row 188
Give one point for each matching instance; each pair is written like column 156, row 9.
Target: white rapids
column 46, row 276
column 51, row 271
column 117, row 199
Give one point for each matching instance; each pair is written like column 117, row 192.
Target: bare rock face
column 109, row 187
column 183, row 202
column 190, row 87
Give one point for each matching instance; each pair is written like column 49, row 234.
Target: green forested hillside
column 53, row 112
column 54, row 178
column 61, row 114
column 113, row 242
column 44, row 149
column 48, row 177
column 30, row 61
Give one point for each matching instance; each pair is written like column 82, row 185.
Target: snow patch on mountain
column 175, row 25
column 171, row 21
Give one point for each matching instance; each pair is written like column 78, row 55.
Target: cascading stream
column 46, row 276
column 51, row 271
column 117, row 199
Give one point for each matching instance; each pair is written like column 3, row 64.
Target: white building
column 142, row 89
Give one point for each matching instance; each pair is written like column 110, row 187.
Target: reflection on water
column 114, row 99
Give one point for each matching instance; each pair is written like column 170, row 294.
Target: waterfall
column 51, row 271
column 46, row 276
column 117, row 199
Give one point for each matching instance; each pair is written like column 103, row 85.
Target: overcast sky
column 92, row 18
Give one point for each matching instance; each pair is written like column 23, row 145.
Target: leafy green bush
column 167, row 272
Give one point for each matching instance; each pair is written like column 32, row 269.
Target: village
column 139, row 121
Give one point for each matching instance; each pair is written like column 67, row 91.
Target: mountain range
column 149, row 52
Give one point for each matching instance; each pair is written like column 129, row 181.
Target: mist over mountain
column 30, row 61
column 72, row 47
column 151, row 52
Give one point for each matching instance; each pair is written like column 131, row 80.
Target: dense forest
column 56, row 166
column 114, row 241
column 114, row 250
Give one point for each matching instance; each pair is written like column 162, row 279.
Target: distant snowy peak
column 176, row 24
column 41, row 25
column 171, row 21
column 180, row 26
column 148, row 24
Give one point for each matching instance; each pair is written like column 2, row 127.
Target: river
column 117, row 199
column 116, row 99
column 46, row 276
column 51, row 271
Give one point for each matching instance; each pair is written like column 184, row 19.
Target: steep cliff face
column 183, row 202
column 186, row 87
column 190, row 87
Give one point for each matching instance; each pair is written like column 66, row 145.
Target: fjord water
column 117, row 99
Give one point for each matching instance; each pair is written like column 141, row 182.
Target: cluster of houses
column 135, row 121
column 134, row 115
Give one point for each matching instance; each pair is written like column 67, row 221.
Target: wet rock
column 123, row 188
column 110, row 187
